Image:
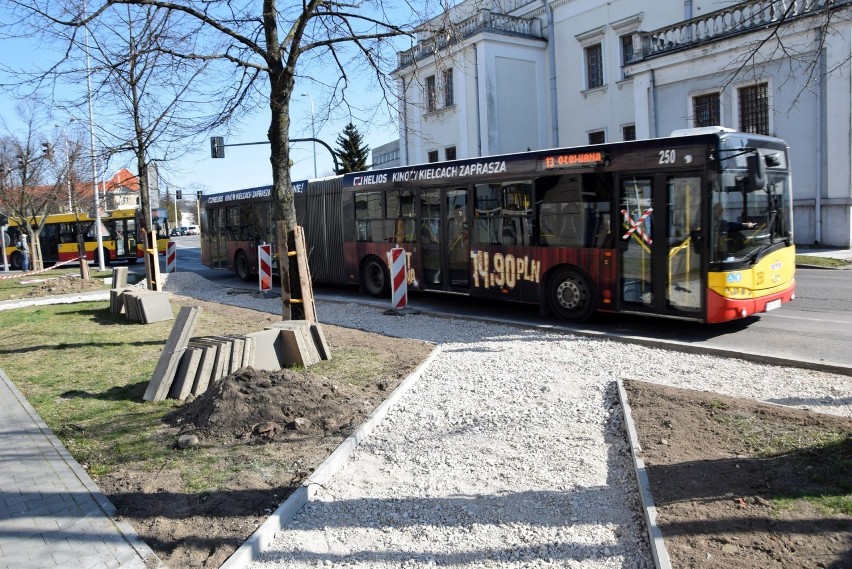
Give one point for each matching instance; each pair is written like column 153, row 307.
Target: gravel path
column 509, row 451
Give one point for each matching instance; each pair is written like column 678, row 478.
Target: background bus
column 120, row 235
column 695, row 226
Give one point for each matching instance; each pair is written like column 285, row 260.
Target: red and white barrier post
column 264, row 267
column 171, row 257
column 399, row 282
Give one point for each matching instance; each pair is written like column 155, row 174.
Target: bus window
column 263, row 226
column 487, row 209
column 238, row 223
column 401, row 212
column 501, row 213
column 67, row 232
column 574, row 210
column 517, row 197
column 368, row 217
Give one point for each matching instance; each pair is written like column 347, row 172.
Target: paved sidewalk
column 51, row 512
column 829, row 253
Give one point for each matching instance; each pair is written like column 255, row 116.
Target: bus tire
column 374, row 277
column 16, row 261
column 570, row 295
column 241, row 265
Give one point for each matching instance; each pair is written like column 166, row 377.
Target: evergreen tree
column 351, row 152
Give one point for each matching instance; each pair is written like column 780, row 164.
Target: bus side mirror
column 756, row 172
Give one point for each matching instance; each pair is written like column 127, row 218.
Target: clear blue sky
column 243, row 166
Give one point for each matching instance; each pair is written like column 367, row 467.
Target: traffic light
column 178, row 194
column 217, row 147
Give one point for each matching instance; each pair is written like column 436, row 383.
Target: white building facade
column 539, row 74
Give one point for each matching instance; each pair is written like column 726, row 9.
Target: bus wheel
column 16, row 261
column 570, row 296
column 241, row 264
column 374, row 278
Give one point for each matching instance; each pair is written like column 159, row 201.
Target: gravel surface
column 509, row 451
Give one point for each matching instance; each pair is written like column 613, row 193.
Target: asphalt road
column 815, row 329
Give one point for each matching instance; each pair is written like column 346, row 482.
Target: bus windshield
column 746, row 221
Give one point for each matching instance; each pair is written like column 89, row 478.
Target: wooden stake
column 305, row 281
column 284, row 270
column 84, row 262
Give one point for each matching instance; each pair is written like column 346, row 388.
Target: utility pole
column 313, row 132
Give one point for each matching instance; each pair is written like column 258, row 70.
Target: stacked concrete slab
column 189, row 367
column 146, row 306
column 167, row 367
column 138, row 304
column 303, row 342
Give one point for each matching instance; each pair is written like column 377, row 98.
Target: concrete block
column 176, row 343
column 298, row 349
column 119, row 277
column 185, row 374
column 267, row 349
column 223, row 356
column 312, row 340
column 238, row 345
column 155, row 307
column 206, row 367
column 320, row 342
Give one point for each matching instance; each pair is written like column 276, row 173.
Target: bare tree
column 264, row 46
column 30, row 179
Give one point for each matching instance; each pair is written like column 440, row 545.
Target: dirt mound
column 63, row 285
column 270, row 404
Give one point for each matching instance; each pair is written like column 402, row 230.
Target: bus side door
column 445, row 238
column 660, row 262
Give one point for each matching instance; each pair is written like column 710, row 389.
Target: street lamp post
column 313, row 131
column 100, row 253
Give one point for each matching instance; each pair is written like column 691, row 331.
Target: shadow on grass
column 65, row 346
column 812, row 472
column 131, row 392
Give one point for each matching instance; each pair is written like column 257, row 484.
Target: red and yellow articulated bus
column 120, row 236
column 694, row 226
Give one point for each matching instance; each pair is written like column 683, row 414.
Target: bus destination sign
column 572, row 160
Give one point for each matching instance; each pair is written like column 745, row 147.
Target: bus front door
column 444, row 239
column 659, row 253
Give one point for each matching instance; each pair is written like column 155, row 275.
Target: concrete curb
column 263, row 537
column 93, row 296
column 808, row 266
column 655, row 536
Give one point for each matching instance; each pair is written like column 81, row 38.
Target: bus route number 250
column 668, row 156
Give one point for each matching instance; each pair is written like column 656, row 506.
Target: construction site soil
column 720, row 502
